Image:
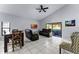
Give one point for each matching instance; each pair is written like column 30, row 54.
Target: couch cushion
column 46, row 30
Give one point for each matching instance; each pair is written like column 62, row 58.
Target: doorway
column 56, row 28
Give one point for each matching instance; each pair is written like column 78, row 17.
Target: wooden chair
column 16, row 39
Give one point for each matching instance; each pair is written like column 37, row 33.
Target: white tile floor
column 1, row 47
column 44, row 45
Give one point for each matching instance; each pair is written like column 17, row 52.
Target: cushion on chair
column 75, row 42
column 66, row 46
column 73, row 37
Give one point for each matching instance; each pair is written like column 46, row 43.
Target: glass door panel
column 48, row 26
column 57, row 29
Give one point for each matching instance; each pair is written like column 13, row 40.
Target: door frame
column 55, row 23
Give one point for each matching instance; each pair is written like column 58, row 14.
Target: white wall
column 68, row 12
column 16, row 21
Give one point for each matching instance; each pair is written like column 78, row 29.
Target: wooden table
column 6, row 41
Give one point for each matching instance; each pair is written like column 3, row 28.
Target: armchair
column 74, row 46
column 30, row 35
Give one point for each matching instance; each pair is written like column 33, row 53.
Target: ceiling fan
column 42, row 8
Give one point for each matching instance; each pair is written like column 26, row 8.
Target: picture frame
column 70, row 23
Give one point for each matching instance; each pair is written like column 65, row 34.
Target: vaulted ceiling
column 29, row 10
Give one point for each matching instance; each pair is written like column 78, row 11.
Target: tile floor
column 1, row 47
column 44, row 45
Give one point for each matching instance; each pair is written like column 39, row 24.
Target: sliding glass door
column 56, row 28
column 48, row 26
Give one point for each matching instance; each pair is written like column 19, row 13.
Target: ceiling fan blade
column 46, row 8
column 41, row 6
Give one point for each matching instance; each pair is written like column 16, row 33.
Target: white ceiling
column 29, row 10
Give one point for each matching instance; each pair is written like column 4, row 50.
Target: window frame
column 2, row 28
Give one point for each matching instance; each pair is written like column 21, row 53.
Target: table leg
column 5, row 43
column 59, row 50
column 22, row 39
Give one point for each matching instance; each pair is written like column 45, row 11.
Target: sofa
column 30, row 35
column 45, row 32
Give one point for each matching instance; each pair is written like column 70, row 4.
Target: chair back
column 16, row 35
column 28, row 33
column 14, row 30
column 75, row 42
column 46, row 30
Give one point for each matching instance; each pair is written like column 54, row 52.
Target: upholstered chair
column 30, row 35
column 72, row 47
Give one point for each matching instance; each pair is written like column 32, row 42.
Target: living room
column 34, row 17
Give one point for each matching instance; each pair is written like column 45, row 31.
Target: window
column 5, row 28
column 49, row 26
